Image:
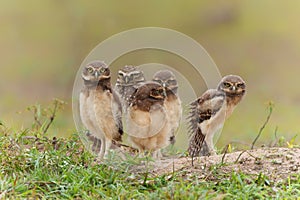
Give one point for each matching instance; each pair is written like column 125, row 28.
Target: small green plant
column 44, row 117
column 284, row 142
column 291, row 142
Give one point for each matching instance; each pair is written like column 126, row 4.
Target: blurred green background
column 44, row 42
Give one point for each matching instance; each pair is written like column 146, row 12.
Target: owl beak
column 96, row 74
column 233, row 88
column 164, row 85
column 126, row 79
column 165, row 92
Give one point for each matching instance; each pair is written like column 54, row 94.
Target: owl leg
column 157, row 154
column 97, row 146
column 102, row 148
column 204, row 149
column 108, row 144
column 210, row 144
column 142, row 153
column 94, row 147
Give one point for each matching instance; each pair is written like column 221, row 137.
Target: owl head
column 167, row 79
column 232, row 85
column 129, row 76
column 95, row 71
column 148, row 94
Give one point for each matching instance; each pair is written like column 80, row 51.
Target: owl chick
column 168, row 80
column 209, row 111
column 147, row 120
column 100, row 107
column 129, row 77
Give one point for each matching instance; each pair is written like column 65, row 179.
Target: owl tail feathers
column 196, row 143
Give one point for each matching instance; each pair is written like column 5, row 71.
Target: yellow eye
column 227, row 84
column 90, row 70
column 102, row 70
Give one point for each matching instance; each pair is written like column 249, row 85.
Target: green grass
column 39, row 167
column 33, row 165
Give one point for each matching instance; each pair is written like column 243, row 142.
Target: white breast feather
column 174, row 112
column 104, row 115
column 209, row 127
column 144, row 124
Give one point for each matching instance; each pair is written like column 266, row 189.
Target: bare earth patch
column 276, row 163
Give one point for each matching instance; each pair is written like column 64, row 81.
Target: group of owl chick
column 151, row 110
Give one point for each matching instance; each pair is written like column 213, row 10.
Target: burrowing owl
column 168, row 80
column 208, row 113
column 129, row 77
column 100, row 108
column 147, row 120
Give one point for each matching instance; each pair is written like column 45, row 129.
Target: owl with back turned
column 147, row 121
column 167, row 79
column 129, row 78
column 209, row 112
column 100, row 107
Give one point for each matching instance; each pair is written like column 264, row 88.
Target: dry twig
column 264, row 125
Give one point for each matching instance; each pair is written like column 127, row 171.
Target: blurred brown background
column 43, row 44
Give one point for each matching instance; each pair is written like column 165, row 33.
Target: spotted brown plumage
column 146, row 119
column 209, row 112
column 100, row 107
column 167, row 79
column 129, row 78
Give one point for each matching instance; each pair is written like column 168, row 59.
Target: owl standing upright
column 209, row 111
column 129, row 77
column 100, row 107
column 167, row 79
column 147, row 120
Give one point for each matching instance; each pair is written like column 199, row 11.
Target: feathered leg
column 108, row 144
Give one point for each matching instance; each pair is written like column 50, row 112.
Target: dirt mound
column 276, row 163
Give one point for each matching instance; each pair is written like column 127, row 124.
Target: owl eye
column 240, row 85
column 161, row 91
column 90, row 70
column 171, row 82
column 158, row 81
column 156, row 92
column 153, row 93
column 137, row 76
column 102, row 70
column 227, row 84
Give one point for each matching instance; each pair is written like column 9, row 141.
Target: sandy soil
column 276, row 163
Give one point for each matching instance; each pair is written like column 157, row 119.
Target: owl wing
column 174, row 111
column 202, row 111
column 117, row 114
